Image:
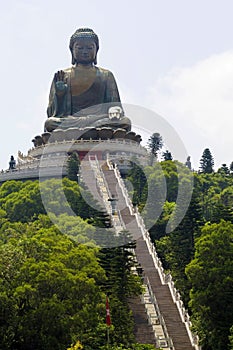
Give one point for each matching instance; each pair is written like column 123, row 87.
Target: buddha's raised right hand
column 60, row 83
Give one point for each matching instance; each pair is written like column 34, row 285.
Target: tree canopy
column 52, row 281
column 155, row 143
column 207, row 162
column 211, row 277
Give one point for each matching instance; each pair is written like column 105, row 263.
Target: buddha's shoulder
column 104, row 71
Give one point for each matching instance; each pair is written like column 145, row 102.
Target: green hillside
column 199, row 251
column 54, row 281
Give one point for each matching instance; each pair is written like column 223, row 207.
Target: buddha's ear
column 73, row 61
column 95, row 59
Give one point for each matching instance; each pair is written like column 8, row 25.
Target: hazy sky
column 174, row 57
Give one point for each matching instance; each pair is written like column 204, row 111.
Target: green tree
column 73, row 164
column 156, row 197
column 155, row 143
column 170, row 173
column 216, row 196
column 75, row 227
column 211, row 276
column 23, row 202
column 50, row 290
column 167, row 155
column 207, row 162
column 224, row 170
column 9, row 187
column 177, row 249
column 121, row 284
column 221, row 212
column 231, row 339
column 226, row 196
column 231, row 167
column 136, row 176
column 159, row 229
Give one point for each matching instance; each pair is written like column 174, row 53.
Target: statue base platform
column 88, row 133
column 48, row 158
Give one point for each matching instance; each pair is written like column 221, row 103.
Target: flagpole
column 108, row 339
column 108, row 320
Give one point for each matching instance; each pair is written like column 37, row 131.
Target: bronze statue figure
column 82, row 95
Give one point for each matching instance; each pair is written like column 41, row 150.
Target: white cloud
column 198, row 102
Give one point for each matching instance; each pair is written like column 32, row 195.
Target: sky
column 174, row 58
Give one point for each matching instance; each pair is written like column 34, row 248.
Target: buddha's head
column 84, row 45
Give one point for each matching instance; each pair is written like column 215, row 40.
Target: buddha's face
column 84, row 51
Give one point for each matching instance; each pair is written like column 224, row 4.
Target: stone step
column 142, row 330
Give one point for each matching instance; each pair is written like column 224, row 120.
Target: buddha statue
column 84, row 95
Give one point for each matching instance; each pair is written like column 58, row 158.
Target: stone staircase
column 143, row 331
column 171, row 319
column 168, row 309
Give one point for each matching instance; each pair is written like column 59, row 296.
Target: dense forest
column 54, row 277
column 198, row 252
column 55, row 274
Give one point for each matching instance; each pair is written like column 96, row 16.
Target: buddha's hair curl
column 83, row 33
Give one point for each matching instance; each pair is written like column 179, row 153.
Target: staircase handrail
column 123, row 188
column 100, row 176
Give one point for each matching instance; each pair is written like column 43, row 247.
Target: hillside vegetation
column 199, row 251
column 54, row 282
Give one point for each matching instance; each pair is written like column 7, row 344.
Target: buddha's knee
column 52, row 123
